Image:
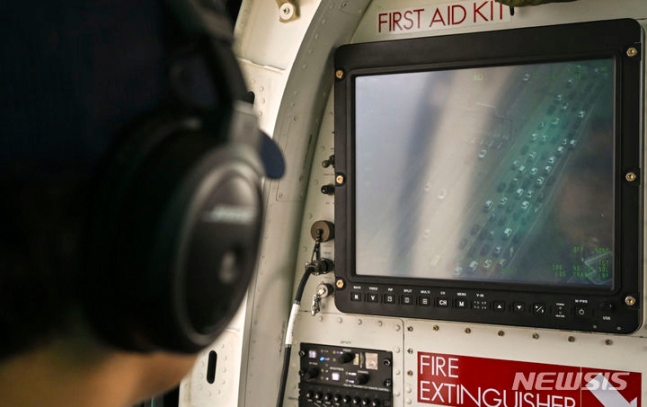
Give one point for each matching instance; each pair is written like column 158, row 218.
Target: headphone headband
column 199, row 17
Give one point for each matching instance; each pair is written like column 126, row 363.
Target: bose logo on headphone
column 239, row 215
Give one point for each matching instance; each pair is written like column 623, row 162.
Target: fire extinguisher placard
column 454, row 380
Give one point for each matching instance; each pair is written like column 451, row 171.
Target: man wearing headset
column 130, row 196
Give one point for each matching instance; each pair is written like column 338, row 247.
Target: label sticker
column 448, row 15
column 452, row 380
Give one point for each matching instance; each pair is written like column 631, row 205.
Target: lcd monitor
column 493, row 177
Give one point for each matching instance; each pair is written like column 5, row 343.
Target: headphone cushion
column 179, row 246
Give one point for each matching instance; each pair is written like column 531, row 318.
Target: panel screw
column 409, row 373
column 632, row 52
column 410, row 351
column 339, row 179
column 436, row 327
column 631, row 176
column 410, row 328
column 287, row 11
column 339, row 74
column 468, row 331
column 571, row 339
column 535, row 336
column 501, row 333
column 340, row 283
column 608, row 342
column 630, row 300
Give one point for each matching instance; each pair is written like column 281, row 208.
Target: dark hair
column 74, row 72
column 40, row 234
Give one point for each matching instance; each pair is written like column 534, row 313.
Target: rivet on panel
column 535, row 336
column 501, row 333
column 396, row 349
column 632, row 52
column 409, row 373
column 571, row 339
column 397, row 328
column 410, row 351
column 359, row 322
column 409, row 389
column 410, row 328
column 436, row 328
column 380, row 323
column 468, row 331
column 608, row 342
column 339, row 320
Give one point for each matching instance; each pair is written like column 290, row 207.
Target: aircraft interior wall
column 289, row 65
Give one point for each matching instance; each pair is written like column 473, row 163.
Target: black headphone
column 174, row 234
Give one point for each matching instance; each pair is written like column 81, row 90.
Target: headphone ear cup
column 175, row 247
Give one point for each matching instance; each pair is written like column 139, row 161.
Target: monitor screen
column 497, row 173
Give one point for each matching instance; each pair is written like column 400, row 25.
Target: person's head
column 130, row 171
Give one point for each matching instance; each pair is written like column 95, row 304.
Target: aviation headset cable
column 316, row 266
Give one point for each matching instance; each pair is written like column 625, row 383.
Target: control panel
column 617, row 314
column 341, row 376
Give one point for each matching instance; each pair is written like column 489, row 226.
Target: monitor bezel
column 569, row 42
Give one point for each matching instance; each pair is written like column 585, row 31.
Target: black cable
column 316, row 266
column 290, row 330
column 284, row 375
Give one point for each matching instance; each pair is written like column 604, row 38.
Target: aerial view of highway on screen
column 502, row 174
